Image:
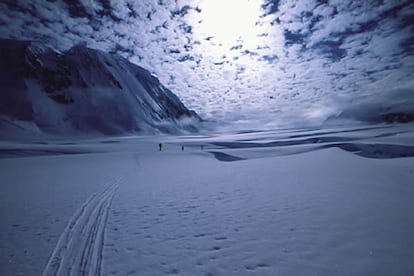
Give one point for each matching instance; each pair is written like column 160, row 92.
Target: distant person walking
column 160, row 146
column 182, row 148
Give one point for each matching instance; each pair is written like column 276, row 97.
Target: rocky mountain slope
column 85, row 91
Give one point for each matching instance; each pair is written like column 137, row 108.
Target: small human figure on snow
column 182, row 148
column 160, row 146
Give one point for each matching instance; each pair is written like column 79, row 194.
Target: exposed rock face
column 85, row 90
column 398, row 117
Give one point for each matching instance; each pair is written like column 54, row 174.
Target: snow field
column 119, row 206
column 311, row 214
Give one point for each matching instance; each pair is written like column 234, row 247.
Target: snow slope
column 290, row 202
column 83, row 91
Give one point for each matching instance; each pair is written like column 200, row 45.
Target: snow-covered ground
column 292, row 202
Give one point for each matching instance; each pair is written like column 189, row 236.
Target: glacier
column 332, row 201
column 86, row 188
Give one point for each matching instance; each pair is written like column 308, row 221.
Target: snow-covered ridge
column 85, row 91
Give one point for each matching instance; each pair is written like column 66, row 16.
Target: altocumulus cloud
column 282, row 62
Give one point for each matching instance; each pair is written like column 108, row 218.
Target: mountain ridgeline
column 84, row 90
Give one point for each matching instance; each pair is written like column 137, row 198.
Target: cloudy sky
column 238, row 60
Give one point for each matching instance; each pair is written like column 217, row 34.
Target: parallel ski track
column 80, row 247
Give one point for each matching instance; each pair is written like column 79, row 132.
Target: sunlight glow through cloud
column 229, row 22
column 281, row 61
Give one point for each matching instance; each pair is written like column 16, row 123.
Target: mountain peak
column 85, row 90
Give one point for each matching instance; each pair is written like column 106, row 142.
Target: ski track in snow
column 285, row 210
column 80, row 247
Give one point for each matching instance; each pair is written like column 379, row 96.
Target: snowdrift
column 312, row 201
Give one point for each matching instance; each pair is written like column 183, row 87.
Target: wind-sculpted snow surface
column 286, row 202
column 85, row 90
column 365, row 142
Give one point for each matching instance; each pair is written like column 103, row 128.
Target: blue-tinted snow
column 314, row 208
column 83, row 91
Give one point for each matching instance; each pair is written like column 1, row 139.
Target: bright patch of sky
column 274, row 61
